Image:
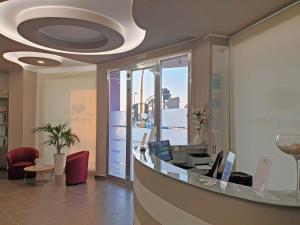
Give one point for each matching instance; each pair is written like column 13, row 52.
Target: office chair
column 216, row 165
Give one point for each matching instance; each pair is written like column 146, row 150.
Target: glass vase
column 198, row 139
column 290, row 144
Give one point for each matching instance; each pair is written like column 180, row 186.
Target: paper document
column 203, row 167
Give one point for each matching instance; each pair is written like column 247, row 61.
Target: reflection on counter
column 196, row 178
column 197, row 161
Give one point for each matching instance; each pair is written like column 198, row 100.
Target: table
column 39, row 170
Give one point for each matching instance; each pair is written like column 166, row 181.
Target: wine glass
column 290, row 144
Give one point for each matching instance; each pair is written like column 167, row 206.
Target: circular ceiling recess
column 34, row 60
column 46, row 63
column 39, row 61
column 70, row 34
column 72, row 26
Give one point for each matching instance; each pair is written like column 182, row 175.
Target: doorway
column 143, row 97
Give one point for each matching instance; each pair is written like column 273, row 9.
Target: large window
column 142, row 98
column 174, row 100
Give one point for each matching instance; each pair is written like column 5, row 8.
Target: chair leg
column 25, row 177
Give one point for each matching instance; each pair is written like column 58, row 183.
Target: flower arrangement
column 200, row 117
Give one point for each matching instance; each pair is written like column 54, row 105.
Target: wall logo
column 79, row 113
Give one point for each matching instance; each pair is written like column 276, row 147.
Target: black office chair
column 216, row 165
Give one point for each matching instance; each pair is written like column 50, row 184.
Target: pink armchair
column 77, row 168
column 20, row 158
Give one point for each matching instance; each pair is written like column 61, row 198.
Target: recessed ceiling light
column 33, row 60
column 53, row 63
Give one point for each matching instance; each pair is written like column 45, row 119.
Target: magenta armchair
column 77, row 168
column 20, row 158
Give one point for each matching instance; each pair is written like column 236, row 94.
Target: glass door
column 141, row 99
column 131, row 115
column 142, row 107
column 117, row 124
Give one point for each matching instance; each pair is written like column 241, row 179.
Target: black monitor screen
column 161, row 149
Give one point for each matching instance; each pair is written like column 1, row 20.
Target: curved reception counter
column 168, row 195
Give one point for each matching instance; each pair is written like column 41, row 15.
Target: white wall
column 29, row 107
column 22, row 108
column 265, row 94
column 69, row 98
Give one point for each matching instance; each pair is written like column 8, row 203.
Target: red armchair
column 20, row 158
column 77, row 168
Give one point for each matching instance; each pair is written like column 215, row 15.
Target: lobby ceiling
column 159, row 23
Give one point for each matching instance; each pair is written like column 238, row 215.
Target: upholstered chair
column 20, row 158
column 77, row 168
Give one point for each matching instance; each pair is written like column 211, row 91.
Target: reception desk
column 168, row 195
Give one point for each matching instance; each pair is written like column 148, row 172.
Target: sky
column 175, row 79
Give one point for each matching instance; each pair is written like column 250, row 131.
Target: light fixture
column 41, row 62
column 72, row 27
column 29, row 60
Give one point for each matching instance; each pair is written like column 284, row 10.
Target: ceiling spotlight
column 34, row 60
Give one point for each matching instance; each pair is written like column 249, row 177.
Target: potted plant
column 199, row 120
column 59, row 136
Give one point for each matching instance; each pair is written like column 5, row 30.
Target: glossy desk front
column 167, row 195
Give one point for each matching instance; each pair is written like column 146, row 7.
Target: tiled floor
column 101, row 202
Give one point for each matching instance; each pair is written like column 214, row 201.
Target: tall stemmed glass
column 290, row 144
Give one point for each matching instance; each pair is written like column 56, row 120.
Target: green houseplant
column 59, row 136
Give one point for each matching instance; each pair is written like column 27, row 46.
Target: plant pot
column 59, row 164
column 198, row 139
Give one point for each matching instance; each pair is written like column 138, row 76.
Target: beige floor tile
column 99, row 202
column 6, row 220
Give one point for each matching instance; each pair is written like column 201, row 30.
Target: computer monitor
column 162, row 149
